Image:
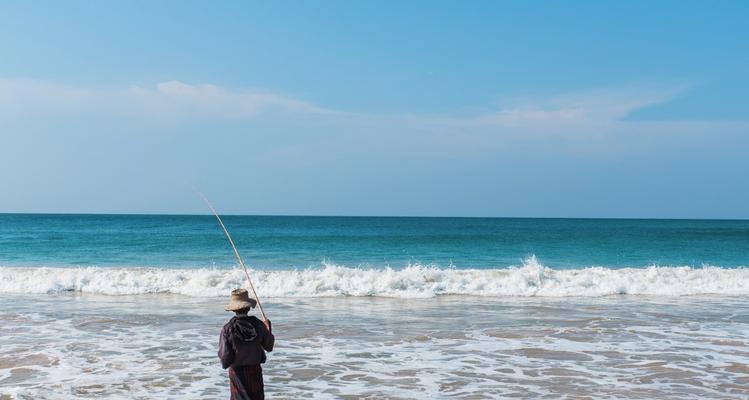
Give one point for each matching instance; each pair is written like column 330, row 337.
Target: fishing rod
column 236, row 253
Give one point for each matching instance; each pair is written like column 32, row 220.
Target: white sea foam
column 152, row 347
column 530, row 279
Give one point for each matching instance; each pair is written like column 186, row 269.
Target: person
column 242, row 346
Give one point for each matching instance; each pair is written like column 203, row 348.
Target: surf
column 531, row 279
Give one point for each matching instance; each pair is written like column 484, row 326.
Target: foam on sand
column 530, row 279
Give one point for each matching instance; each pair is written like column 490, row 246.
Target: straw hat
column 240, row 299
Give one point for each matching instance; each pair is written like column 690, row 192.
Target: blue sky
column 589, row 109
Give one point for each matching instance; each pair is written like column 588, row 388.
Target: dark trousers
column 246, row 382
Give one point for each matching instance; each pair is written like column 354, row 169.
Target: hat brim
column 235, row 305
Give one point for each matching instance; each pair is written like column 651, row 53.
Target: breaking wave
column 530, row 279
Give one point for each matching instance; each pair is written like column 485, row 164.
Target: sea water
column 126, row 306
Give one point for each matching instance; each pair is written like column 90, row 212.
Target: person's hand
column 267, row 325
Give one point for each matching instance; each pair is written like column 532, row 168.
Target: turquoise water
column 276, row 242
column 542, row 329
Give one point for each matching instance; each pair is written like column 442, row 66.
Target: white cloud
column 583, row 108
column 181, row 100
column 217, row 101
column 90, row 143
column 583, row 122
column 573, row 122
column 172, row 100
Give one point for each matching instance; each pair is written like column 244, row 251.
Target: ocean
column 130, row 306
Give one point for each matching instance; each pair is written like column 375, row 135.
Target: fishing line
column 236, row 253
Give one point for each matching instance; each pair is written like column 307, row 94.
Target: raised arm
column 268, row 338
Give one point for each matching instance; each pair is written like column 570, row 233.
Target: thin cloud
column 216, row 101
column 175, row 99
column 581, row 108
column 171, row 100
column 576, row 122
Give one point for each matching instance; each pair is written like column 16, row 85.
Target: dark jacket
column 244, row 341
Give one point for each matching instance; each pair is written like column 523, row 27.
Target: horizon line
column 367, row 216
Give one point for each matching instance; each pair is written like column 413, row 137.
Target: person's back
column 242, row 346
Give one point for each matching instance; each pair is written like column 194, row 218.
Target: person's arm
column 225, row 349
column 268, row 338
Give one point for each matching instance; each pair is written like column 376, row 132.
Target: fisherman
column 242, row 346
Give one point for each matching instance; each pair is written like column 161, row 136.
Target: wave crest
column 530, row 279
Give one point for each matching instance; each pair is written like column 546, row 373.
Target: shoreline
column 456, row 346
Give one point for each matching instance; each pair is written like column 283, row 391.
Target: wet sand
column 164, row 346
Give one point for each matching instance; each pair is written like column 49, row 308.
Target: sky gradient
column 584, row 109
